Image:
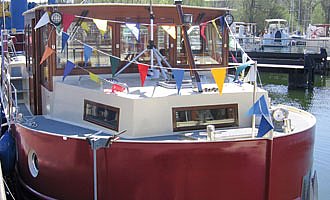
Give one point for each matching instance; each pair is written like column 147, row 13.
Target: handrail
column 8, row 92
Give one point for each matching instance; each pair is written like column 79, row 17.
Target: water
column 317, row 102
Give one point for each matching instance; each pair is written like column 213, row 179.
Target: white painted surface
column 144, row 111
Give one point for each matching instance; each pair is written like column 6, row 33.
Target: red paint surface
column 194, row 171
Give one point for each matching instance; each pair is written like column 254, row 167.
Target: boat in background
column 244, row 34
column 91, row 124
column 276, row 33
column 318, row 36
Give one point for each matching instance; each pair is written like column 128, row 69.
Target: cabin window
column 85, row 33
column 205, row 52
column 45, row 32
column 102, row 115
column 190, row 118
column 163, row 42
column 130, row 46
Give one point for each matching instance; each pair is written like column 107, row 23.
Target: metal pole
column 151, row 35
column 3, row 14
column 254, row 98
column 95, row 172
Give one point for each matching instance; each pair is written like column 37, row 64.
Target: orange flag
column 143, row 69
column 219, row 75
column 48, row 51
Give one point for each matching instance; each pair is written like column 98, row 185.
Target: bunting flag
column 244, row 57
column 240, row 69
column 85, row 26
column 252, row 75
column 114, row 64
column 42, row 21
column 48, row 51
column 135, row 29
column 68, row 68
column 219, row 76
column 117, row 88
column 264, row 127
column 58, row 30
column 94, row 78
column 178, row 77
column 260, row 107
column 65, row 38
column 238, row 45
column 203, row 27
column 216, row 28
column 233, row 57
column 67, row 20
column 101, row 25
column 170, row 30
column 222, row 24
column 87, row 53
column 143, row 70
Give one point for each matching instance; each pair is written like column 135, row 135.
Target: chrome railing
column 8, row 92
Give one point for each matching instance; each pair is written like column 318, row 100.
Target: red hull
column 252, row 169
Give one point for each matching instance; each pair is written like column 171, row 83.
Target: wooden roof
column 135, row 12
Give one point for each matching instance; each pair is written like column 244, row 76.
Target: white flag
column 134, row 29
column 43, row 21
column 101, row 24
column 244, row 58
column 252, row 75
column 170, row 30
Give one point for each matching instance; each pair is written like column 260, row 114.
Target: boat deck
column 300, row 120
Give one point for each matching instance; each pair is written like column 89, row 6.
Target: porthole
column 33, row 163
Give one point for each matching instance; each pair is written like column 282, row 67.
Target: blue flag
column 222, row 24
column 178, row 76
column 264, row 127
column 65, row 38
column 87, row 53
column 240, row 69
column 259, row 108
column 68, row 68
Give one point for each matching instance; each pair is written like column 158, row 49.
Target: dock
column 275, row 66
column 301, row 67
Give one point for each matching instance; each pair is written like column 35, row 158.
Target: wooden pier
column 301, row 67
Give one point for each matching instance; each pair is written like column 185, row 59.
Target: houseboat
column 99, row 113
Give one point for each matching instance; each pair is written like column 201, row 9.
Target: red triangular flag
column 143, row 69
column 233, row 58
column 48, row 51
column 67, row 20
column 203, row 27
column 117, row 88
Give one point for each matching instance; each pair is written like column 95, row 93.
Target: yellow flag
column 216, row 28
column 85, row 26
column 170, row 30
column 101, row 25
column 219, row 75
column 94, row 78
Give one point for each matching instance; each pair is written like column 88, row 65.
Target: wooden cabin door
column 32, row 64
column 29, row 38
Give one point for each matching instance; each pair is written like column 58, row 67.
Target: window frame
column 117, row 110
column 209, row 107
